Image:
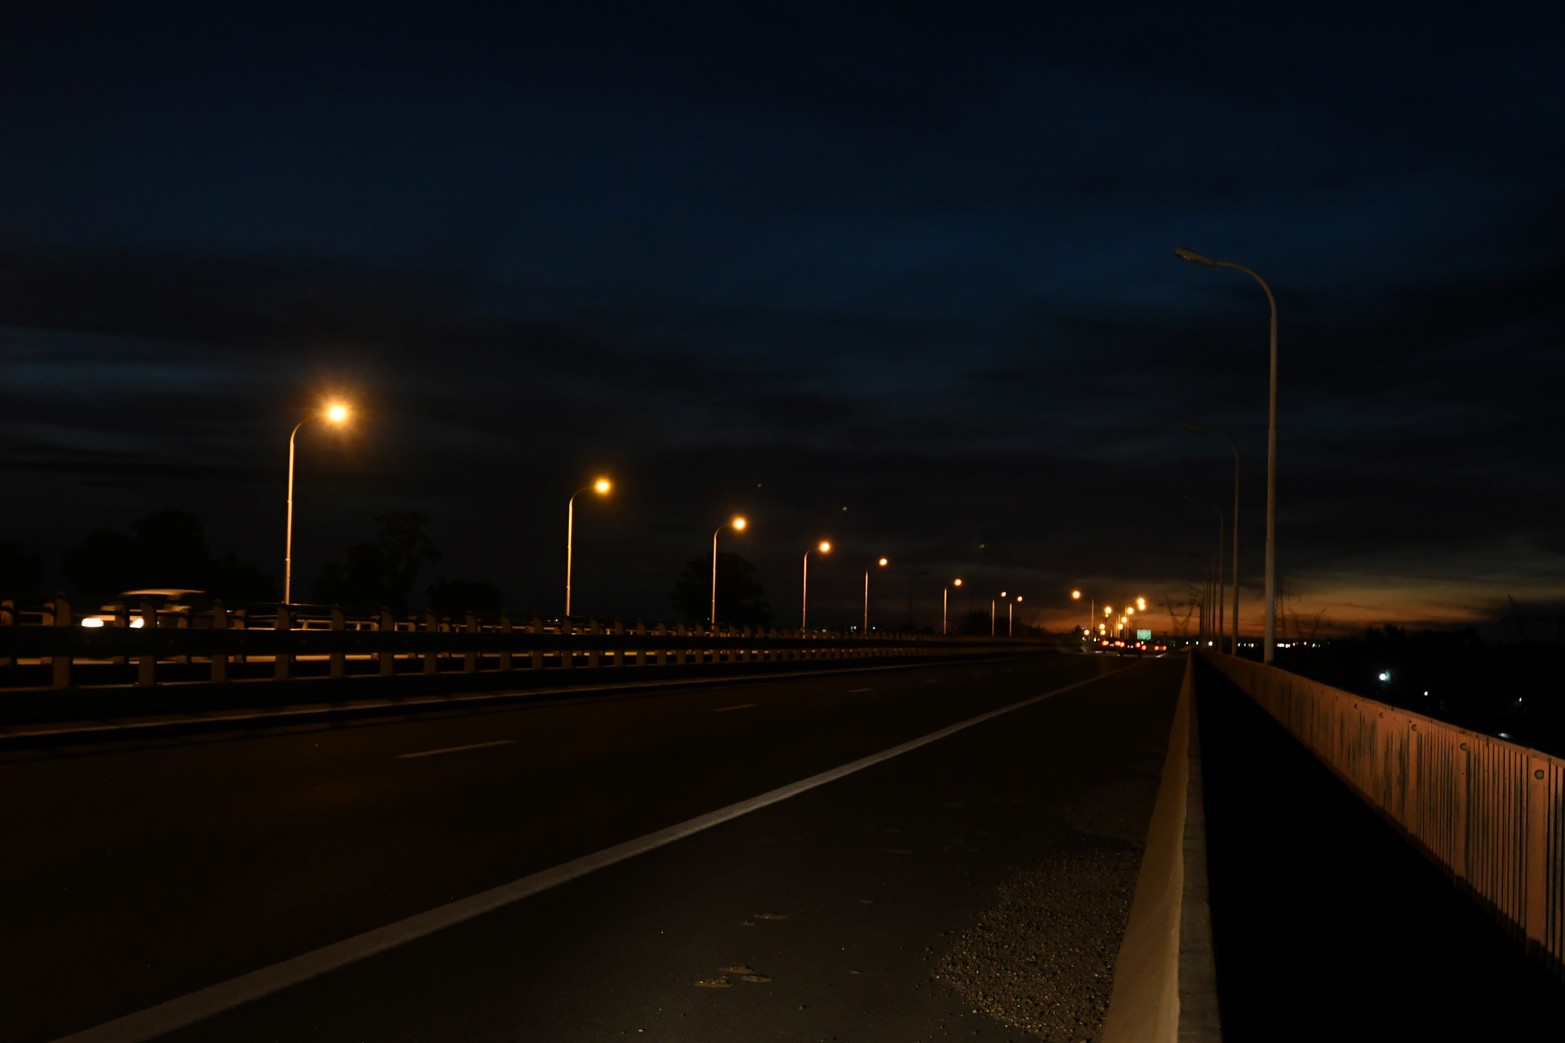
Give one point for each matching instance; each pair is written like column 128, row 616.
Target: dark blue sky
column 789, row 259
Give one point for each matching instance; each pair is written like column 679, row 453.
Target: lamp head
column 337, row 413
column 883, row 563
column 1193, row 257
column 824, row 546
column 602, row 486
column 738, row 523
column 1075, row 595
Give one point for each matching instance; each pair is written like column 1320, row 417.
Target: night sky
column 900, row 276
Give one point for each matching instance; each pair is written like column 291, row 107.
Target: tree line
column 169, row 549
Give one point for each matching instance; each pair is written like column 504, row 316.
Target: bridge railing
column 284, row 643
column 1489, row 812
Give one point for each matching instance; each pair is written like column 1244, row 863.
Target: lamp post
column 1219, row 617
column 824, row 546
column 882, row 563
column 737, row 523
column 1233, row 525
column 945, row 600
column 335, row 413
column 1010, row 616
column 1270, row 647
column 1092, row 610
column 601, row 487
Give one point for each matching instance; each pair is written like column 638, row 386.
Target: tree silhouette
column 449, row 597
column 740, row 599
column 21, row 574
column 380, row 573
column 165, row 549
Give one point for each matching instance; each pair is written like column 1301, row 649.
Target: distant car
column 169, row 605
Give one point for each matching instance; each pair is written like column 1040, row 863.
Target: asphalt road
column 973, row 886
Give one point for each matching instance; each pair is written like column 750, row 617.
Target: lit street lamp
column 1092, row 610
column 601, row 487
column 824, row 546
column 737, row 523
column 1233, row 524
column 882, row 563
column 1010, row 616
column 945, row 600
column 335, row 413
column 1270, row 647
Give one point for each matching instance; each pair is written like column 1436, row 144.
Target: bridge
column 578, row 831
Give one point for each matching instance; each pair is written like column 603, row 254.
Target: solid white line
column 454, row 749
column 224, row 996
column 741, row 706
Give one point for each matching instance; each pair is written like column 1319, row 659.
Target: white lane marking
column 454, row 749
column 216, row 999
column 856, row 691
column 741, row 706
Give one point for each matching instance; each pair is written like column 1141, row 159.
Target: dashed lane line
column 216, row 999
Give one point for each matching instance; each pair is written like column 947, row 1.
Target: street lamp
column 945, row 600
column 882, row 563
column 601, row 487
column 992, row 613
column 335, row 413
column 737, row 523
column 1010, row 616
column 1219, row 627
column 1270, row 647
column 1233, row 524
column 824, row 546
column 1092, row 610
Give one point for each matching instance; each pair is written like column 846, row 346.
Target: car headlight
column 92, row 622
column 137, row 623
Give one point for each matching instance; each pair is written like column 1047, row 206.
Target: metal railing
column 284, row 643
column 1489, row 812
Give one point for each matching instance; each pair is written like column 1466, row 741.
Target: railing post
column 282, row 662
column 660, row 655
column 506, row 629
column 536, row 628
column 338, row 662
column 58, row 613
column 470, row 657
column 219, row 657
column 388, row 658
column 7, row 619
column 640, row 631
column 594, row 630
column 147, row 661
column 679, row 653
column 431, row 656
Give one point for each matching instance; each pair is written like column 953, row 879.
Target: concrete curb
column 1165, row 977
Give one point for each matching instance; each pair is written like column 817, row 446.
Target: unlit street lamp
column 1270, row 647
